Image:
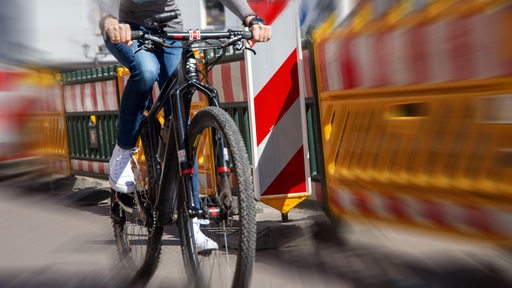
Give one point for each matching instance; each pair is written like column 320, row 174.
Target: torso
column 137, row 11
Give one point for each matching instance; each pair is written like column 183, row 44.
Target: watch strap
column 255, row 21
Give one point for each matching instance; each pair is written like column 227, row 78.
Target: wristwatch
column 255, row 21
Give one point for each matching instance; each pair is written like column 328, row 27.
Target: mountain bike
column 202, row 173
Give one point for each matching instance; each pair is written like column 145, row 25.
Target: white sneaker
column 203, row 243
column 121, row 174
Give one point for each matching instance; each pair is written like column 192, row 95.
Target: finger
column 113, row 34
column 113, row 37
column 261, row 33
column 256, row 34
column 121, row 38
column 127, row 34
column 269, row 33
column 124, row 33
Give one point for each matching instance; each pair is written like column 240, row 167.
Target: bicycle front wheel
column 226, row 192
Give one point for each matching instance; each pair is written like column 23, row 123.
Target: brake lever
column 250, row 49
column 238, row 44
column 137, row 50
column 232, row 41
column 141, row 46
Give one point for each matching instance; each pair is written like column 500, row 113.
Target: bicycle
column 208, row 145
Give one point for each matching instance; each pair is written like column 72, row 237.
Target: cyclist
column 122, row 16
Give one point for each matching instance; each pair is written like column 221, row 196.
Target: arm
column 260, row 31
column 109, row 24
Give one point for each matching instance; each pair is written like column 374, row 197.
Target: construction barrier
column 91, row 99
column 230, row 79
column 415, row 109
column 32, row 127
column 277, row 110
column 49, row 122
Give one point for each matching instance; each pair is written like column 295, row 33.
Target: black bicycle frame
column 179, row 91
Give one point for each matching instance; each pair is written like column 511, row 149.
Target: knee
column 144, row 76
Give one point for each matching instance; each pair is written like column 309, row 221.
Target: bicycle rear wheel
column 227, row 193
column 137, row 238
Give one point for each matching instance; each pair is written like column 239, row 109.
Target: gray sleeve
column 109, row 7
column 239, row 7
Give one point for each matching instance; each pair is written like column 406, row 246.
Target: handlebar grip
column 136, row 35
column 166, row 17
column 247, row 35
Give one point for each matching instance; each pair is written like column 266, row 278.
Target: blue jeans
column 145, row 68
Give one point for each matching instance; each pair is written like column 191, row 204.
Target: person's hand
column 260, row 32
column 117, row 32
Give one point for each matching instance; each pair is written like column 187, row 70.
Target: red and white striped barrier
column 452, row 49
column 56, row 164
column 440, row 214
column 91, row 97
column 230, row 80
column 49, row 100
column 277, row 107
column 10, row 78
column 16, row 103
column 95, row 167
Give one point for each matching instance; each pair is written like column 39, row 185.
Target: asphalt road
column 56, row 232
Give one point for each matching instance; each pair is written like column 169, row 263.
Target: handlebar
column 158, row 21
column 191, row 35
column 155, row 36
column 137, row 35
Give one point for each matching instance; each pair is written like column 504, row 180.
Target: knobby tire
column 235, row 229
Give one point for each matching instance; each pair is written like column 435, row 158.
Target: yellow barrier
column 430, row 143
column 52, row 142
column 415, row 111
column 49, row 122
column 445, row 137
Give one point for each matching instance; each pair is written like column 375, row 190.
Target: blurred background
column 409, row 106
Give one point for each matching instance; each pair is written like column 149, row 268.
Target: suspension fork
column 181, row 108
column 222, row 157
column 223, row 171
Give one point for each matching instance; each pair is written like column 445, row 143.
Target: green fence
column 89, row 140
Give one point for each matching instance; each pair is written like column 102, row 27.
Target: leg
column 169, row 59
column 144, row 69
